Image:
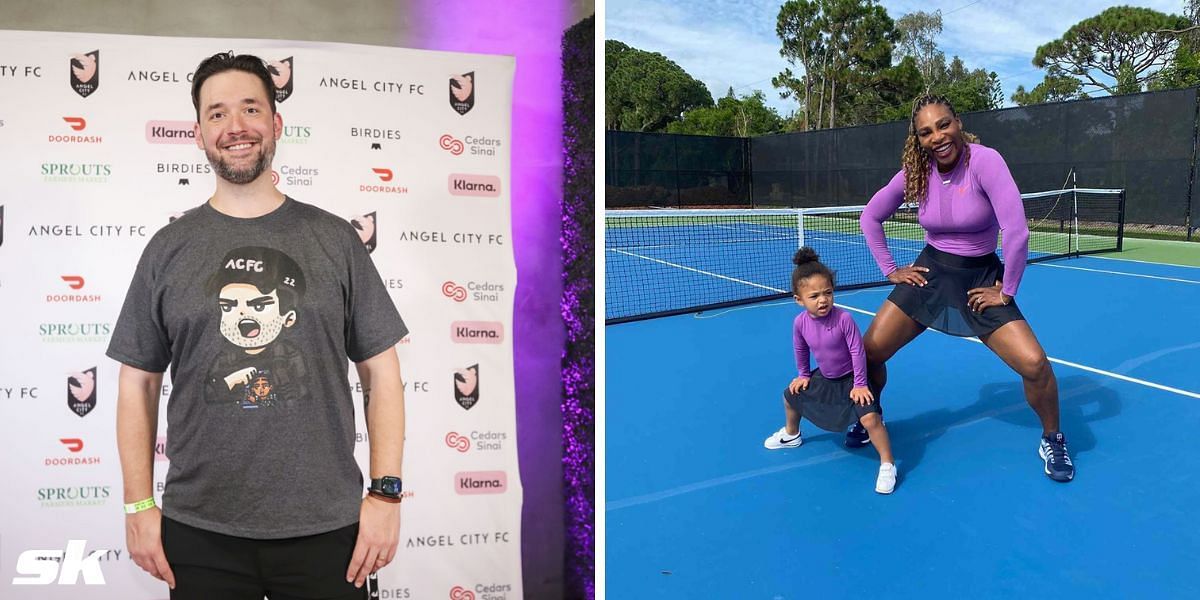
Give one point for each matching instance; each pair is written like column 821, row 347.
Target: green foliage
column 645, row 91
column 732, row 116
column 969, row 90
column 1184, row 71
column 1123, row 43
column 1056, row 87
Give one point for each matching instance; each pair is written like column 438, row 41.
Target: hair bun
column 805, row 255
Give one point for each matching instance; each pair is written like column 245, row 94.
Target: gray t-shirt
column 256, row 318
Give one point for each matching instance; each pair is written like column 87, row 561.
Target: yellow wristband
column 137, row 507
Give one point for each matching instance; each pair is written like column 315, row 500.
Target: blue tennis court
column 697, row 508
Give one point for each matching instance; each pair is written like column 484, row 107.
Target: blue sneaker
column 1053, row 450
column 857, row 436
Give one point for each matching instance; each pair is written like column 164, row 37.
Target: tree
column 1123, row 43
column 970, row 90
column 644, row 91
column 1056, row 87
column 917, row 37
column 732, row 116
column 843, row 46
column 1184, row 70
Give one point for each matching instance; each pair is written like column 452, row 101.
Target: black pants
column 210, row 565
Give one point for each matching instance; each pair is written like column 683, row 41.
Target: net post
column 800, row 227
column 1074, row 220
column 1121, row 221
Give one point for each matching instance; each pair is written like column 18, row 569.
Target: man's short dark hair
column 228, row 61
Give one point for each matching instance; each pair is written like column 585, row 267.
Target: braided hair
column 808, row 264
column 915, row 159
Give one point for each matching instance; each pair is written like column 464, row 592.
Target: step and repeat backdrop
column 97, row 153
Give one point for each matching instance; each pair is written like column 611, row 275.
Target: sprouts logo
column 365, row 226
column 74, row 124
column 170, row 132
column 477, row 332
column 384, row 176
column 296, row 134
column 81, row 392
column 281, row 75
column 473, row 145
column 74, row 282
column 85, row 73
column 480, row 482
column 466, row 386
column 481, row 186
column 74, row 446
column 477, row 291
column 494, row 591
column 76, row 172
column 480, row 441
column 81, row 495
column 462, row 92
column 378, row 86
column 74, row 333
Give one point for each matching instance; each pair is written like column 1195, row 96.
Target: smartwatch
column 387, row 487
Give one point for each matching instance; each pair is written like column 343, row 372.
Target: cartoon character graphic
column 257, row 291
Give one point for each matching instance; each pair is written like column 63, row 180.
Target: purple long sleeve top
column 834, row 340
column 960, row 217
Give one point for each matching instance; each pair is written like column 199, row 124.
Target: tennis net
column 666, row 262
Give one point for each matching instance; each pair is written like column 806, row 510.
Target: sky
column 727, row 43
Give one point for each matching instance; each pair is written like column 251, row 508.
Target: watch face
column 390, row 486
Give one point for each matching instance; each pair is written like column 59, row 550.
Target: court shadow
column 1082, row 400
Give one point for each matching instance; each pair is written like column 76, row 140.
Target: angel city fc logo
column 81, row 392
column 466, row 387
column 462, row 92
column 85, row 73
column 365, row 226
column 282, row 74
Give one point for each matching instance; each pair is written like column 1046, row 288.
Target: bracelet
column 137, row 507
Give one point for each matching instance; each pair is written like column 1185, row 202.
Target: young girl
column 836, row 393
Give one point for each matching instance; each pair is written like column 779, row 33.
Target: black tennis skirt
column 827, row 402
column 942, row 303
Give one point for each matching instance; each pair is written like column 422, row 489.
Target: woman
column 957, row 285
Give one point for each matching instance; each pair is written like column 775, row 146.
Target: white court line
column 1144, row 262
column 734, row 279
column 1118, row 273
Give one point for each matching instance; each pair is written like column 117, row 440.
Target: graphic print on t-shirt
column 257, row 291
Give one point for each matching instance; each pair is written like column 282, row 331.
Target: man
column 255, row 301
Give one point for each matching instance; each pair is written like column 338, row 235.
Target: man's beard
column 243, row 176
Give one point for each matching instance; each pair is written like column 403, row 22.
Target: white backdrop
column 96, row 156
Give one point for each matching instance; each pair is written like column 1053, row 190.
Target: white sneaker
column 782, row 439
column 886, row 482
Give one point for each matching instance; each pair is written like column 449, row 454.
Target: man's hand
column 378, row 536
column 143, row 536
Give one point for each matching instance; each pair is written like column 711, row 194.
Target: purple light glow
column 531, row 31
